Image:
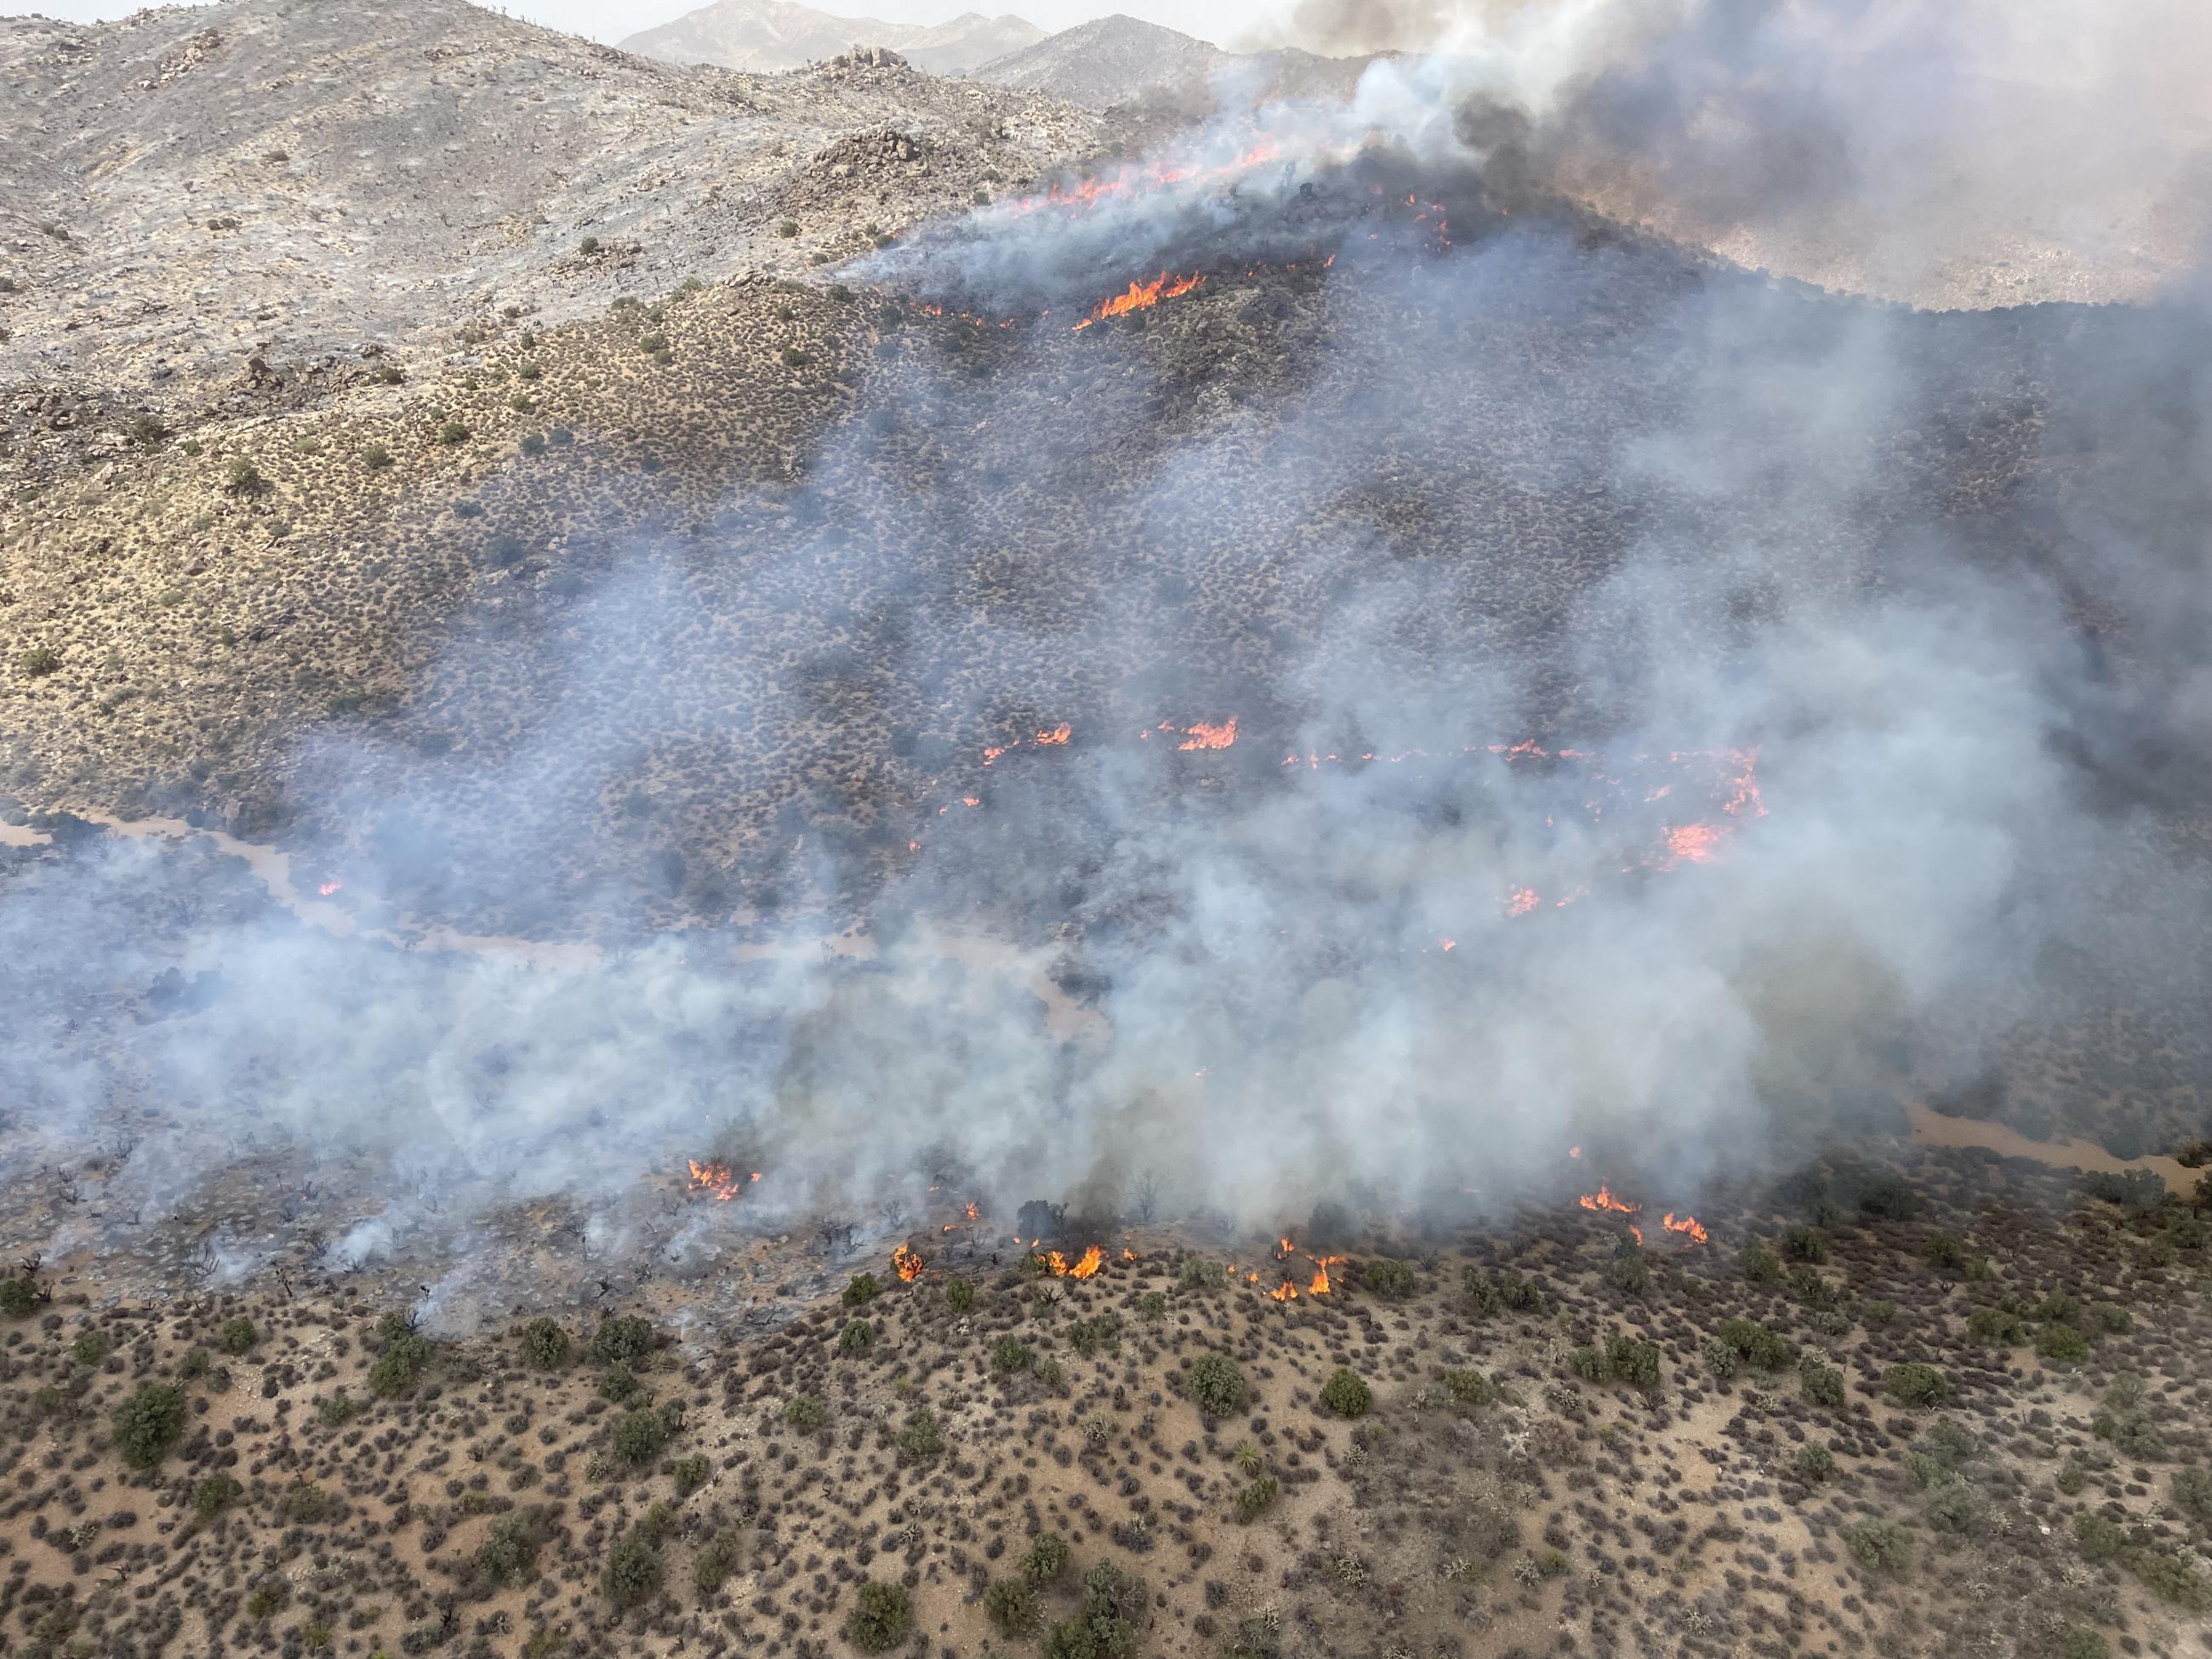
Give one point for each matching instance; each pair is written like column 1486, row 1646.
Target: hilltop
column 763, row 36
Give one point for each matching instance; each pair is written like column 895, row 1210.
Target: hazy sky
column 610, row 20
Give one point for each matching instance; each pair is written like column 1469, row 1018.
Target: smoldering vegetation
column 1670, row 708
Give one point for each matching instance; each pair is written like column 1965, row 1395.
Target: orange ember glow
column 1636, row 1232
column 1092, row 1260
column 1686, row 1225
column 1602, row 1199
column 1285, row 1292
column 1521, row 903
column 1202, row 736
column 1692, row 843
column 1127, row 1255
column 1574, row 1151
column 716, row 1179
column 1139, row 296
column 1060, row 734
column 329, row 888
column 1321, row 1264
column 907, row 1263
column 1447, row 945
column 1285, row 1250
column 974, row 1213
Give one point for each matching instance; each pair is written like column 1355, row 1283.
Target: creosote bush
column 862, row 1290
column 858, row 1338
column 149, row 1422
column 1346, row 1395
column 237, row 1336
column 1916, row 1384
column 1046, row 1558
column 805, row 1412
column 545, row 1345
column 634, row 1570
column 959, row 1295
column 882, row 1618
column 1392, row 1280
column 621, row 1339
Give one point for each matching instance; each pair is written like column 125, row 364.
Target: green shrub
column 89, row 1349
column 1760, row 1265
column 404, row 1359
column 805, row 1412
column 1469, row 1388
column 1946, row 1255
column 1756, row 1343
column 882, row 1618
column 215, row 1494
column 920, row 1438
column 1880, row 1545
column 306, row 1503
column 2059, row 1307
column 959, row 1295
column 633, row 1572
column 1046, row 1558
column 1346, row 1395
column 335, row 1410
column 1010, row 1353
column 2173, row 1578
column 861, row 1290
column 2063, row 1343
column 2100, row 1539
column 2082, row 1642
column 1916, row 1384
column 2191, row 1490
column 242, row 477
column 1632, row 1361
column 691, row 1473
column 640, row 1435
column 266, row 1600
column 1630, row 1274
column 717, row 1560
column 1802, row 1244
column 1722, row 1360
column 453, row 433
column 1217, row 1387
column 19, row 1298
column 1879, row 1310
column 1012, row 1607
column 1889, row 1199
column 237, row 1336
column 1254, row 1499
column 375, row 458
column 625, row 1339
column 1952, row 1507
column 1392, row 1280
column 1814, row 1464
column 509, row 1551
column 1151, row 1305
column 545, row 1345
column 1198, row 1274
column 1105, row 1624
column 1822, row 1385
column 1995, row 1327
column 149, row 1422
column 390, row 374
column 788, row 229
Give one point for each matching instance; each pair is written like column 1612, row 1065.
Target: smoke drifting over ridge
column 1441, row 493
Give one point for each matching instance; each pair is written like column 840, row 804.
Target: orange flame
column 1686, row 1225
column 1320, row 1285
column 716, row 1179
column 1060, row 734
column 1692, row 843
column 1202, row 736
column 1521, row 903
column 1127, row 1255
column 1602, row 1199
column 1285, row 1250
column 1092, row 1260
column 1574, row 1151
column 974, row 1213
column 1139, row 296
column 907, row 1263
column 1285, row 1292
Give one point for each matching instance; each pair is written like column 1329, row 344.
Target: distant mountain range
column 763, row 36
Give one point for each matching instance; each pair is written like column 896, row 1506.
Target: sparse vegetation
column 1345, row 1394
column 148, row 1423
column 881, row 1617
column 1216, row 1385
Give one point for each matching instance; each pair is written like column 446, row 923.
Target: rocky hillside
column 763, row 36
column 1122, row 62
column 288, row 180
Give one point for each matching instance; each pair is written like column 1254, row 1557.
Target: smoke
column 1671, row 709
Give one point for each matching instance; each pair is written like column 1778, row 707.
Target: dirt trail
column 1933, row 1128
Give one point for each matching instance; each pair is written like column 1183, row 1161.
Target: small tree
column 1216, row 1385
column 1916, row 1384
column 1345, row 1394
column 633, row 1571
column 882, row 1618
column 624, row 1340
column 545, row 1345
column 237, row 1336
column 862, row 1290
column 856, row 1339
column 149, row 1422
column 1392, row 1280
column 1046, row 1558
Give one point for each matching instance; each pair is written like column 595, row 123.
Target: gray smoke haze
column 1932, row 584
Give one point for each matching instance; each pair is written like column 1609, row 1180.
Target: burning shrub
column 1012, row 1607
column 1346, row 1394
column 1216, row 1385
column 148, row 1423
column 1995, row 1327
column 1046, row 1558
column 1392, row 1280
column 861, row 1290
column 634, row 1570
column 621, row 1339
column 2063, row 1343
column 640, row 1435
column 1760, row 1265
column 856, row 1339
column 959, row 1295
column 920, row 1438
column 545, row 1345
column 1916, row 1384
column 1880, row 1545
column 1803, row 1244
column 805, row 1412
column 1254, row 1500
column 881, row 1620
column 237, row 1336
column 1822, row 1385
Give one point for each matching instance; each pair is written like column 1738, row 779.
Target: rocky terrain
column 764, row 36
column 1118, row 61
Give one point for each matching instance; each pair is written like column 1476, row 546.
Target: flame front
column 1086, row 1266
column 1602, row 1199
column 716, row 1179
column 1686, row 1225
column 1320, row 1285
column 1202, row 736
column 1285, row 1292
column 1059, row 734
column 907, row 1263
column 1140, row 295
